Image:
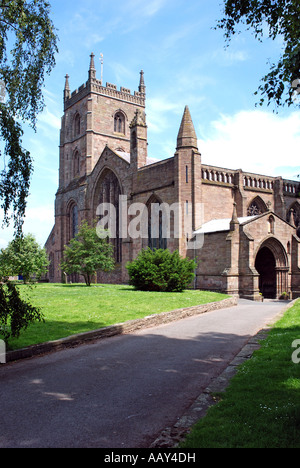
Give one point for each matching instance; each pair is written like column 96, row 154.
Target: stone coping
column 118, row 329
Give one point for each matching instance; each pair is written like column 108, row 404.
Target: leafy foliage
column 16, row 314
column 281, row 18
column 25, row 257
column 87, row 253
column 161, row 270
column 28, row 44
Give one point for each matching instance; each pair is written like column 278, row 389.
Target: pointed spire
column 67, row 92
column 92, row 70
column 234, row 220
column 187, row 136
column 142, row 87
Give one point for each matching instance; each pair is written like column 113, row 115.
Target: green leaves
column 28, row 44
column 87, row 253
column 25, row 257
column 161, row 270
column 276, row 18
column 15, row 313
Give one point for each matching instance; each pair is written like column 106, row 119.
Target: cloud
column 255, row 141
column 146, row 9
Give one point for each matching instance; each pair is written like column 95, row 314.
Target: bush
column 161, row 270
column 15, row 313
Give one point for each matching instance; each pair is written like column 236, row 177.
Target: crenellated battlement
column 93, row 85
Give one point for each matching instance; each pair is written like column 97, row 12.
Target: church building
column 241, row 227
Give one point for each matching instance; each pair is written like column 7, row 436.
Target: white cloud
column 255, row 141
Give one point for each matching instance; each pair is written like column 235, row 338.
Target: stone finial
column 92, row 69
column 187, row 136
column 67, row 92
column 142, row 87
column 139, row 119
column 234, row 220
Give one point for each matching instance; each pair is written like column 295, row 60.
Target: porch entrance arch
column 271, row 263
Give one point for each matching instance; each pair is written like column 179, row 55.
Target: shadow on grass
column 51, row 330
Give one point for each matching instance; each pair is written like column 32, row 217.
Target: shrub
column 161, row 270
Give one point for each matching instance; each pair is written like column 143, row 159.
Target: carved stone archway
column 271, row 263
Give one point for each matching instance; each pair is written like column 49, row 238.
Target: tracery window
column 253, row 210
column 256, row 207
column 109, row 192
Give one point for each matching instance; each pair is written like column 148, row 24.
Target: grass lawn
column 261, row 406
column 76, row 308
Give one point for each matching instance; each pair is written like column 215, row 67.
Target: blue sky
column 185, row 63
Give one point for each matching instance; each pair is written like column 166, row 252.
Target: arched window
column 256, row 207
column 156, row 225
column 119, row 123
column 271, row 225
column 77, row 125
column 73, row 224
column 108, row 192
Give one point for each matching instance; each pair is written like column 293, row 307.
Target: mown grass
column 76, row 308
column 261, row 406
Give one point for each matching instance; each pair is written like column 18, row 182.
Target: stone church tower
column 243, row 228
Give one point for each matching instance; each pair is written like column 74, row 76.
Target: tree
column 23, row 256
column 27, row 30
column 282, row 18
column 16, row 313
column 87, row 253
column 161, row 270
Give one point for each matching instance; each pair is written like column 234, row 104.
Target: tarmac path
column 121, row 392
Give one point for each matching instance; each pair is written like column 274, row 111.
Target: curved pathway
column 121, row 392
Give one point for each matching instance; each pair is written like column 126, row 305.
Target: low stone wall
column 119, row 329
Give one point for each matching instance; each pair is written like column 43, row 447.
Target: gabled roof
column 126, row 156
column 219, row 225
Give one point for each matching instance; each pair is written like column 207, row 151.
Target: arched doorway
column 265, row 265
column 271, row 263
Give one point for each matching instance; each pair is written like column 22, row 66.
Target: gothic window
column 77, row 125
column 119, row 123
column 109, row 191
column 73, row 228
column 187, row 174
column 256, row 207
column 156, row 239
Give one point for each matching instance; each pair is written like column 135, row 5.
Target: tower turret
column 142, row 87
column 138, row 140
column 67, row 92
column 92, row 69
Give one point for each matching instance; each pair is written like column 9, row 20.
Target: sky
column 186, row 62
